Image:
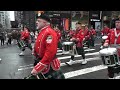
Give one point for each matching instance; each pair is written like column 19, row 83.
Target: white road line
column 117, row 77
column 59, row 51
column 63, row 64
column 66, row 57
column 85, row 47
column 62, row 58
column 98, row 44
column 20, row 69
column 84, row 71
column 89, row 49
column 26, row 65
column 79, row 61
column 84, row 50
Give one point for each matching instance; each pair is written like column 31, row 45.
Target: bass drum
column 109, row 57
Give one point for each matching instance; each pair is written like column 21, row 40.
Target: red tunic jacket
column 105, row 31
column 46, row 49
column 111, row 38
column 79, row 36
column 25, row 35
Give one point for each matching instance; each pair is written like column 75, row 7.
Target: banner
column 66, row 24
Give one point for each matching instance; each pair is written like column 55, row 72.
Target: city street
column 14, row 66
column 25, row 25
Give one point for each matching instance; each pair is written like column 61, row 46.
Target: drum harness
column 74, row 49
column 116, row 36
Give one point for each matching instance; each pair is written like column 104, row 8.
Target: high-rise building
column 29, row 19
column 4, row 19
column 7, row 20
column 25, row 18
column 19, row 18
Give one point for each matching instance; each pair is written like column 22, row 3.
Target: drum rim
column 67, row 43
column 103, row 51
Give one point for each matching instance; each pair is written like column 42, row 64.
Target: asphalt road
column 14, row 66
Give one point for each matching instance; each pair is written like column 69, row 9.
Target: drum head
column 67, row 43
column 104, row 37
column 108, row 51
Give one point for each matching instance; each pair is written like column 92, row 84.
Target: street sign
column 94, row 15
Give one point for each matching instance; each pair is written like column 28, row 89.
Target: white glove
column 34, row 72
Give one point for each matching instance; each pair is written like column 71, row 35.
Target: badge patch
column 82, row 33
column 49, row 39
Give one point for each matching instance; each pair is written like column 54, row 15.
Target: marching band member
column 113, row 40
column 25, row 36
column 93, row 34
column 45, row 50
column 87, row 35
column 59, row 37
column 78, row 38
column 105, row 30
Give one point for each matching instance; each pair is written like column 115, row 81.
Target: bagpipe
column 38, row 76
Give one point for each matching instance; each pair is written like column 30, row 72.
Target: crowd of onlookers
column 8, row 38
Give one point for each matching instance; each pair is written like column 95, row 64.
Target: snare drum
column 21, row 44
column 67, row 46
column 109, row 56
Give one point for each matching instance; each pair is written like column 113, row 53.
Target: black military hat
column 104, row 25
column 118, row 19
column 44, row 16
column 78, row 23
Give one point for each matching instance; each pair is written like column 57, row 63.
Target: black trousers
column 92, row 41
column 27, row 44
column 113, row 70
column 2, row 42
column 88, row 43
column 80, row 51
column 9, row 41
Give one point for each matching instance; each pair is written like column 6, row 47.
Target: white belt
column 116, row 46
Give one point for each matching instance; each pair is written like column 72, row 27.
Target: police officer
column 78, row 38
column 45, row 50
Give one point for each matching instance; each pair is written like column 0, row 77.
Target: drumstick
column 43, row 75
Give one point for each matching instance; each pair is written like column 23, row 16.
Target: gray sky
column 12, row 17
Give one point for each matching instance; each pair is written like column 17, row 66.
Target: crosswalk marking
column 84, row 50
column 79, row 61
column 84, row 71
column 20, row 69
column 98, row 44
column 26, row 65
column 78, row 72
column 61, row 50
column 62, row 64
column 62, row 58
column 117, row 77
column 66, row 57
